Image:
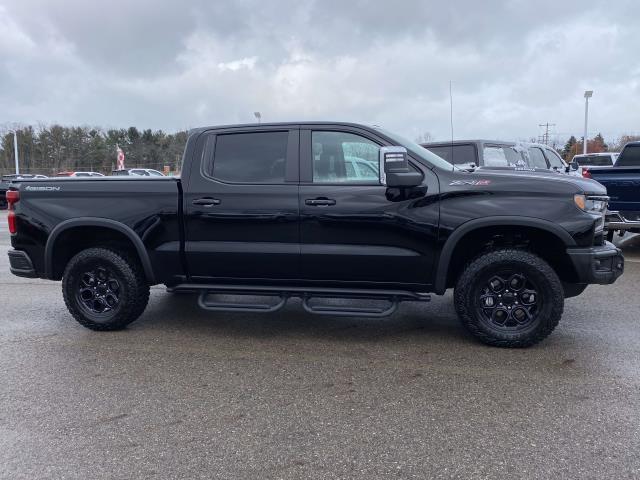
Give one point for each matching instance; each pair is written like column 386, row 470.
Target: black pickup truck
column 288, row 210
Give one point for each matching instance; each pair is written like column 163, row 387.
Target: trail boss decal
column 474, row 183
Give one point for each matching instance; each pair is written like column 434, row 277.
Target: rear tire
column 104, row 289
column 509, row 298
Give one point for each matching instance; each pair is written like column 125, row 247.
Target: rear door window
column 255, row 157
column 501, row 156
column 536, row 158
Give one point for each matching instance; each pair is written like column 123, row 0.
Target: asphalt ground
column 183, row 393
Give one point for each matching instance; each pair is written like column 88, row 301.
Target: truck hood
column 539, row 177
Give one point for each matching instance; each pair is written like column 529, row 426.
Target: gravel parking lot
column 187, row 394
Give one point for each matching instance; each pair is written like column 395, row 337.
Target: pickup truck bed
column 279, row 210
column 91, row 209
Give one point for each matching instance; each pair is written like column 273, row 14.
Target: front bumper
column 601, row 264
column 20, row 264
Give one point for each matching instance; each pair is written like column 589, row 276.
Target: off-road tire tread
column 464, row 288
column 134, row 282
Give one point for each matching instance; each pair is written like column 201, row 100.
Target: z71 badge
column 475, row 183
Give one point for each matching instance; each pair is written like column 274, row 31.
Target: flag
column 120, row 158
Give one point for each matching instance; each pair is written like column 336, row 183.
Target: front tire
column 509, row 298
column 104, row 289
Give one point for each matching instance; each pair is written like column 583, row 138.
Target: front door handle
column 320, row 202
column 206, row 202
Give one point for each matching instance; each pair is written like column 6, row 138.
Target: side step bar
column 281, row 295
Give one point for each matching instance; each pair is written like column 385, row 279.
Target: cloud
column 167, row 65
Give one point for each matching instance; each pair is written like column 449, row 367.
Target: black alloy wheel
column 508, row 301
column 509, row 298
column 105, row 289
column 98, row 290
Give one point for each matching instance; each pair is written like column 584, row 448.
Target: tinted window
column 630, row 156
column 155, row 173
column 456, row 154
column 595, row 160
column 554, row 159
column 344, row 157
column 250, row 157
column 536, row 158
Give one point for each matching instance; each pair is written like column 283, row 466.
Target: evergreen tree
column 569, row 148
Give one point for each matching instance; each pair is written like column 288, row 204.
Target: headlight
column 591, row 203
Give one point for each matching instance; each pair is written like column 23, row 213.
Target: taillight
column 586, row 173
column 13, row 196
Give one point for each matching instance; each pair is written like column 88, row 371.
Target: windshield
column 418, row 151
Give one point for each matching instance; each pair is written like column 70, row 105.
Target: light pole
column 587, row 95
column 15, row 149
column 258, row 116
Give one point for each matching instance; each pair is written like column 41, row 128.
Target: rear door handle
column 206, row 202
column 320, row 202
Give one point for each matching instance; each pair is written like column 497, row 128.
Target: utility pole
column 545, row 136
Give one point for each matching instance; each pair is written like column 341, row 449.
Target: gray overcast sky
column 179, row 64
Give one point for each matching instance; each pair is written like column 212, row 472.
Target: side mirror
column 574, row 165
column 395, row 170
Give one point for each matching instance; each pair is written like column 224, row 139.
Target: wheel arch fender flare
column 450, row 244
column 97, row 222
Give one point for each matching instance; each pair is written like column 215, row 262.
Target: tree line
column 51, row 149
column 596, row 144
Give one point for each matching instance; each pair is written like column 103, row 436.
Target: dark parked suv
column 280, row 211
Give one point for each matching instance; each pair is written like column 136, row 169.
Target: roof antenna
column 451, row 119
